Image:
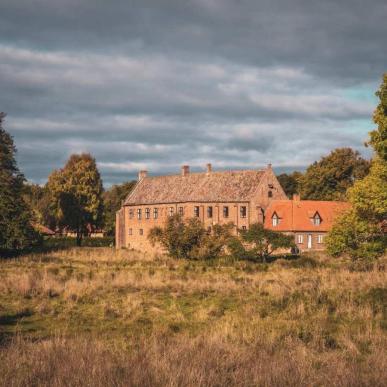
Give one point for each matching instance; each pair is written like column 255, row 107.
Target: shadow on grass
column 10, row 320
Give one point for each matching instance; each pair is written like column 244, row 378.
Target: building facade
column 238, row 197
column 308, row 220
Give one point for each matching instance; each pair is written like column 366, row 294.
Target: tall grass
column 100, row 317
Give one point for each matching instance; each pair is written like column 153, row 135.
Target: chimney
column 184, row 170
column 142, row 175
column 209, row 168
column 296, row 197
column 269, row 166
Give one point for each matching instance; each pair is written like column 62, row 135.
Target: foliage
column 113, row 199
column 329, row 178
column 77, row 194
column 188, row 238
column 258, row 243
column 56, row 243
column 290, row 183
column 361, row 232
column 16, row 232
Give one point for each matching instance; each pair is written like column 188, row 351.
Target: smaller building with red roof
column 308, row 220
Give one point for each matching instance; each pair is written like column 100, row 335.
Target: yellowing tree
column 77, row 194
column 361, row 231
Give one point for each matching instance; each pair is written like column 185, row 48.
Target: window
column 130, row 231
column 131, row 213
column 181, row 211
column 316, row 220
column 244, row 228
column 320, row 239
column 155, row 213
column 196, row 211
column 147, row 213
column 300, row 239
column 243, row 211
column 270, row 194
column 209, row 212
column 139, row 213
column 225, row 212
column 141, row 231
column 170, row 211
column 275, row 220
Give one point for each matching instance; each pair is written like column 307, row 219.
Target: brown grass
column 100, row 317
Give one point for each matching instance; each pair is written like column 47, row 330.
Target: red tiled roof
column 229, row 186
column 296, row 215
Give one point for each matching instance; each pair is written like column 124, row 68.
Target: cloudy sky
column 155, row 84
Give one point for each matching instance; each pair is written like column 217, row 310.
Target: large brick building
column 308, row 220
column 240, row 197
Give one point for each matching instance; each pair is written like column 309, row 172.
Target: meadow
column 97, row 317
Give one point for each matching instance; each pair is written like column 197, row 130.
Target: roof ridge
column 206, row 173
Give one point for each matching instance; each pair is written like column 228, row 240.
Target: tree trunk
column 79, row 238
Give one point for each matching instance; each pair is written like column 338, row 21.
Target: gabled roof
column 296, row 215
column 227, row 186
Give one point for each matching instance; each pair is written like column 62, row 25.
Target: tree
column 188, row 238
column 77, row 195
column 16, row 231
column 329, row 178
column 361, row 231
column 290, row 183
column 258, row 243
column 113, row 199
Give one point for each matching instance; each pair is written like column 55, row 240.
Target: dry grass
column 100, row 317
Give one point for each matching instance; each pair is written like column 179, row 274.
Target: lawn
column 94, row 316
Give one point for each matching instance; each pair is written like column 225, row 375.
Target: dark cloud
column 158, row 83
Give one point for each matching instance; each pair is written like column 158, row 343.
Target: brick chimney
column 269, row 166
column 296, row 197
column 184, row 170
column 209, row 168
column 142, row 175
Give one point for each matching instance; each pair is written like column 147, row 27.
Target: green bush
column 53, row 243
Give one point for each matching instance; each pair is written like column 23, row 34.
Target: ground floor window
column 130, row 231
column 320, row 239
column 300, row 239
column 225, row 212
column 196, row 211
column 181, row 211
column 141, row 231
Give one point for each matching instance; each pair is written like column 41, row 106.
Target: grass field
column 93, row 316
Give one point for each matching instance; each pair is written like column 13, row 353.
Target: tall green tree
column 330, row 177
column 113, row 199
column 76, row 192
column 16, row 232
column 361, row 231
column 290, row 183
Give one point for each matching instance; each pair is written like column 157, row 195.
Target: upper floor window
column 316, row 219
column 141, row 231
column 181, row 211
column 209, row 212
column 131, row 213
column 275, row 220
column 130, row 231
column 225, row 212
column 147, row 213
column 155, row 213
column 196, row 211
column 170, row 211
column 243, row 211
column 139, row 213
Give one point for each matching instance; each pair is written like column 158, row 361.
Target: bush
column 68, row 242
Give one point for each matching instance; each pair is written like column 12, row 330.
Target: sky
column 158, row 84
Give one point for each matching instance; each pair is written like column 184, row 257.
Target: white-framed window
column 181, row 211
column 170, row 211
column 243, row 211
column 320, row 238
column 196, row 211
column 300, row 239
column 147, row 213
column 155, row 213
column 275, row 220
column 139, row 213
column 317, row 220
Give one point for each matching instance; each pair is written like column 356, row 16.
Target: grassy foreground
column 97, row 317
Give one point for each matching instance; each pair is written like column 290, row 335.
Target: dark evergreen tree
column 16, row 231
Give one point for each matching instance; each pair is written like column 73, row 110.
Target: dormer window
column 316, row 219
column 275, row 220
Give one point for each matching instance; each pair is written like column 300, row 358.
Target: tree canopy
column 290, row 183
column 16, row 231
column 330, row 178
column 76, row 192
